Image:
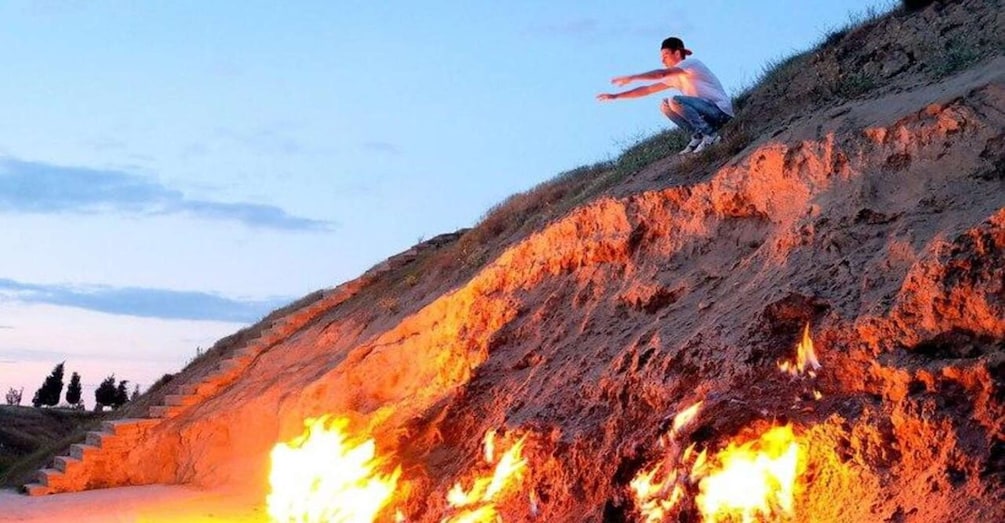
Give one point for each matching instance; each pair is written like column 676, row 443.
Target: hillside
column 628, row 325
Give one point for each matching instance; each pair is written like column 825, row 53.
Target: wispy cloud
column 134, row 301
column 34, row 187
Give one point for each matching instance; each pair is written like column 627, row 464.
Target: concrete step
column 66, row 463
column 81, row 452
column 165, row 411
column 49, row 477
column 36, row 489
column 181, row 400
column 126, row 426
column 98, row 439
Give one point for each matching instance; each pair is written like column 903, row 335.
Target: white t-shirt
column 699, row 81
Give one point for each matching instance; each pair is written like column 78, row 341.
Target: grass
column 956, row 57
column 31, row 437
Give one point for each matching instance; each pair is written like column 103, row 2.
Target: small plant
column 955, row 57
column 388, row 304
column 648, row 151
column 14, row 396
column 854, row 85
column 411, row 280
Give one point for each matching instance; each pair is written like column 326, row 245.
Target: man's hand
column 621, row 80
column 604, row 97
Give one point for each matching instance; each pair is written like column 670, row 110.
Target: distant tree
column 136, row 393
column 73, row 390
column 121, row 394
column 51, row 389
column 105, row 393
column 14, row 396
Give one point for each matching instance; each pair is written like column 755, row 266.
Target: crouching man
column 701, row 109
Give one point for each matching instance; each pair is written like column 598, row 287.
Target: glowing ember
column 478, row 503
column 755, row 479
column 324, row 475
column 806, row 358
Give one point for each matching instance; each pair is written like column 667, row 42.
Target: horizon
column 162, row 166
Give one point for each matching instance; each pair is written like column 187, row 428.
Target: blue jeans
column 694, row 115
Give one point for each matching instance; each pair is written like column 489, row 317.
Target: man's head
column 672, row 51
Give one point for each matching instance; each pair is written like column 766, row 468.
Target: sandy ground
column 146, row 504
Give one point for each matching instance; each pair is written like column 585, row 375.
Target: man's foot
column 690, row 148
column 707, row 141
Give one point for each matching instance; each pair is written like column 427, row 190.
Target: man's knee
column 665, row 107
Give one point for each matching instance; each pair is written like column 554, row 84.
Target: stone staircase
column 88, row 464
column 95, row 462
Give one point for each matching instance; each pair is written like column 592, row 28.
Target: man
column 701, row 109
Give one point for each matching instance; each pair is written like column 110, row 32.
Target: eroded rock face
column 588, row 337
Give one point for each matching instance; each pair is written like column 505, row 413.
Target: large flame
column 325, row 475
column 477, row 504
column 752, row 480
column 806, row 357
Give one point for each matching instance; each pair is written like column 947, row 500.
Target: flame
column 655, row 498
column 806, row 358
column 324, row 475
column 684, row 417
column 755, row 479
column 478, row 503
column 490, row 446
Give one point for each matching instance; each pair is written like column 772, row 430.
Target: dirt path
column 147, row 504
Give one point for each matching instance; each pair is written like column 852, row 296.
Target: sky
column 171, row 171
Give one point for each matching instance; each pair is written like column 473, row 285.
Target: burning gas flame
column 806, row 358
column 753, row 479
column 325, row 475
column 477, row 504
column 684, row 417
column 658, row 489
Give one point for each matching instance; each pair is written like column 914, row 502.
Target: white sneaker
column 707, row 141
column 690, row 148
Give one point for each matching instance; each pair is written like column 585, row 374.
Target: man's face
column 670, row 58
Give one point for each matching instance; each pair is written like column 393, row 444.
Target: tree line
column 108, row 394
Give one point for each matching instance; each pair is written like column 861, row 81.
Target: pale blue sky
column 198, row 163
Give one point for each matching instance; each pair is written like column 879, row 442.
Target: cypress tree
column 51, row 389
column 73, row 390
column 105, row 393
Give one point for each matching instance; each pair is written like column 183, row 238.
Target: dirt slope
column 878, row 220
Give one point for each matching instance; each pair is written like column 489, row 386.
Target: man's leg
column 683, row 124
column 668, row 109
column 701, row 114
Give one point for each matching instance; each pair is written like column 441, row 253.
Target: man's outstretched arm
column 655, row 74
column 634, row 93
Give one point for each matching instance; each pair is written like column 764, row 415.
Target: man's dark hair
column 675, row 44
